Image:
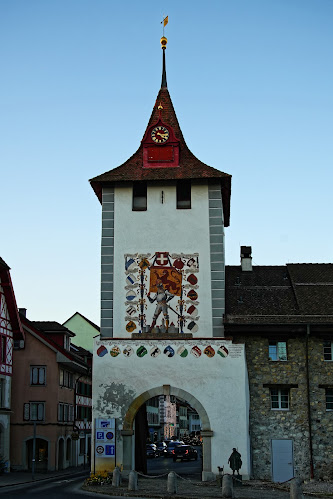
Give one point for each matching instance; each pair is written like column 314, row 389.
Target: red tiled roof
column 41, row 328
column 189, row 167
column 53, row 327
column 7, row 286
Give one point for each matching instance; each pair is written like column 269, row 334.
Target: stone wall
column 321, row 373
column 267, row 424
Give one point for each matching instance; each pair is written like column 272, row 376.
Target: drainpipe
column 308, row 398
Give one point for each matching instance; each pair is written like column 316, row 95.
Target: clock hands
column 160, row 134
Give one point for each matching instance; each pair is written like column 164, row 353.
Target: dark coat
column 235, row 461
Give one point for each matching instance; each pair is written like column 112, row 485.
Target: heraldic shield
column 170, row 278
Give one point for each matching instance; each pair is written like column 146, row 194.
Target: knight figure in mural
column 162, row 297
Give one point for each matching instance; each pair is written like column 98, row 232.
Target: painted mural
column 169, row 351
column 162, row 292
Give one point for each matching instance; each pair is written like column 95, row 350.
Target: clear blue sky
column 251, row 82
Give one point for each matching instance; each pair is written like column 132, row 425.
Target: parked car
column 184, row 453
column 162, row 448
column 151, row 450
column 171, row 446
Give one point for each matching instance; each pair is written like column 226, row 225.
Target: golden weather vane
column 165, row 22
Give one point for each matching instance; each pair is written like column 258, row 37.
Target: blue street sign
column 109, row 450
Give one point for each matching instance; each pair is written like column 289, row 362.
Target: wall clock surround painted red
column 160, row 146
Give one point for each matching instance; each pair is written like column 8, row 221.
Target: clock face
column 160, row 134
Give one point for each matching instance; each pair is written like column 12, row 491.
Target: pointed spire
column 164, row 42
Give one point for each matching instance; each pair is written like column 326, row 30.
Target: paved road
column 161, row 465
column 70, row 488
column 59, row 488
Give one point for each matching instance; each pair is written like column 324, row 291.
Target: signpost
column 105, row 443
column 33, row 453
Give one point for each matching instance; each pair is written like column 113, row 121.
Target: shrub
column 101, row 478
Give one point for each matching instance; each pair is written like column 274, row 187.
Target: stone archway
column 128, row 432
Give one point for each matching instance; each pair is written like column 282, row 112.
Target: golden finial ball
column 164, row 42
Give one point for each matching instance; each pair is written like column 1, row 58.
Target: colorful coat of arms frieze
column 162, row 292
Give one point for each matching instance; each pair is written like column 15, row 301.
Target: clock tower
column 162, row 296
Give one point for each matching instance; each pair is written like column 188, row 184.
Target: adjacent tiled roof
column 189, row 167
column 4, row 264
column 313, row 287
column 82, row 352
column 7, row 286
column 295, row 293
column 41, row 328
column 52, row 327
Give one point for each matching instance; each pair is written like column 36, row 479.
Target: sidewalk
column 21, row 477
column 156, row 488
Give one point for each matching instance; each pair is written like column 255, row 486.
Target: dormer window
column 183, row 194
column 139, row 196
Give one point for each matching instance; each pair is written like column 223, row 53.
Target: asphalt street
column 163, row 465
column 60, row 488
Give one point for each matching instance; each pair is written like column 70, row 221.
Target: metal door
column 282, row 460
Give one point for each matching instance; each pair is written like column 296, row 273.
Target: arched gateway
column 128, row 430
column 162, row 297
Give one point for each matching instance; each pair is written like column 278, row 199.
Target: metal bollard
column 172, row 483
column 296, row 489
column 133, row 480
column 116, row 477
column 227, row 487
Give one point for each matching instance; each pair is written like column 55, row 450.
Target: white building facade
column 162, row 297
column 10, row 332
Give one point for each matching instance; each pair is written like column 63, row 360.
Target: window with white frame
column 279, row 398
column 67, row 342
column 34, row 411
column 65, row 412
column 38, row 375
column 182, row 411
column 277, row 350
column 66, row 378
column 328, row 350
column 152, row 418
column 329, row 399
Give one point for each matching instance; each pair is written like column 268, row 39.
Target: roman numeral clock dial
column 160, row 134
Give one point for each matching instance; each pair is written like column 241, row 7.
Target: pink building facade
column 48, row 404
